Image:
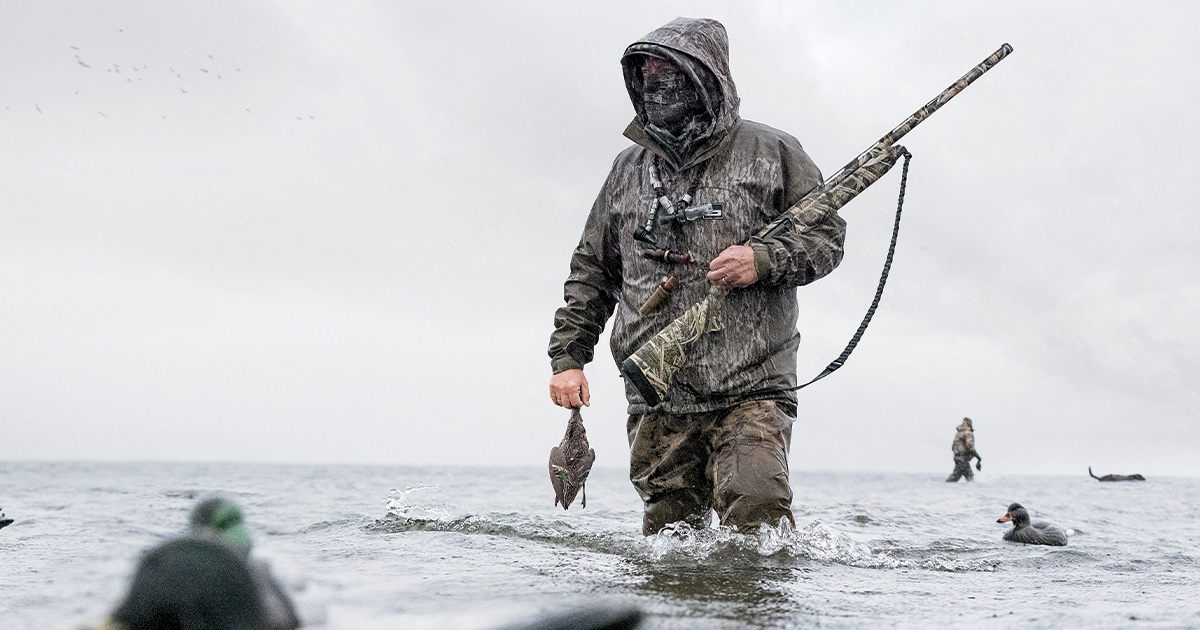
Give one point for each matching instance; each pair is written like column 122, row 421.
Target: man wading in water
column 963, row 448
column 698, row 181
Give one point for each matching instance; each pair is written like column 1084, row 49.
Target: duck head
column 1016, row 514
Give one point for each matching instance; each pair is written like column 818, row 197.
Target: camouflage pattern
column 963, row 448
column 733, row 461
column 964, row 439
column 686, row 42
column 962, row 469
column 753, row 173
column 652, row 367
column 570, row 463
column 920, row 115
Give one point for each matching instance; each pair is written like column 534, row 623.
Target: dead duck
column 1036, row 533
column 570, row 462
column 1133, row 477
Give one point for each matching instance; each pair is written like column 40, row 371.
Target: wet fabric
column 700, row 49
column 671, row 100
column 750, row 172
column 964, row 441
column 733, row 461
column 962, row 469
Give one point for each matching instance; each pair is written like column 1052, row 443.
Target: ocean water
column 465, row 548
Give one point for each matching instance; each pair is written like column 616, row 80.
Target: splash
column 425, row 508
column 817, row 542
column 418, row 503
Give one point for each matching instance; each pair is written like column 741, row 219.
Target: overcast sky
column 337, row 232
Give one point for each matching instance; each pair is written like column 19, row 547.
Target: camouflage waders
column 962, row 469
column 732, row 460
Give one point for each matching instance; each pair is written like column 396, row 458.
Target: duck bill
column 1007, row 518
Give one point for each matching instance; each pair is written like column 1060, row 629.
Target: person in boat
column 963, row 448
column 711, row 180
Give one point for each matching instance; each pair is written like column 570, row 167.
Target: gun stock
column 652, row 367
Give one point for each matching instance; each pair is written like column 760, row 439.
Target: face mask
column 671, row 100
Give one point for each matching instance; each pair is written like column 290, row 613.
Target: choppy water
column 406, row 547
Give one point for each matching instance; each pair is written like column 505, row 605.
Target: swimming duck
column 4, row 521
column 1038, row 533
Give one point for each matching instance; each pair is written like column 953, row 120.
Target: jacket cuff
column 762, row 261
column 563, row 363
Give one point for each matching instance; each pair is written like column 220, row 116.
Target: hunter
column 963, row 448
column 697, row 181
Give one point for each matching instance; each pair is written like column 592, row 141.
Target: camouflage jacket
column 964, row 442
column 752, row 173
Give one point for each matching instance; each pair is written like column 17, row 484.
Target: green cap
column 222, row 520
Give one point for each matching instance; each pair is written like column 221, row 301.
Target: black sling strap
column 887, row 266
column 841, row 360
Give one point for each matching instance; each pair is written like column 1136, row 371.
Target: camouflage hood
column 700, row 47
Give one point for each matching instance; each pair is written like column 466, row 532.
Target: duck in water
column 1036, row 533
column 570, row 462
column 4, row 521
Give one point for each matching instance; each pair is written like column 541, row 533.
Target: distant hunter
column 964, row 451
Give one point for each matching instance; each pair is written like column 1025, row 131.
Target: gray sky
column 337, row 232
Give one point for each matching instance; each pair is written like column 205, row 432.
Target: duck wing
column 1039, row 533
column 1049, row 534
column 558, row 477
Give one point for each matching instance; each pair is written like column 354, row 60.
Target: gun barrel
column 925, row 112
